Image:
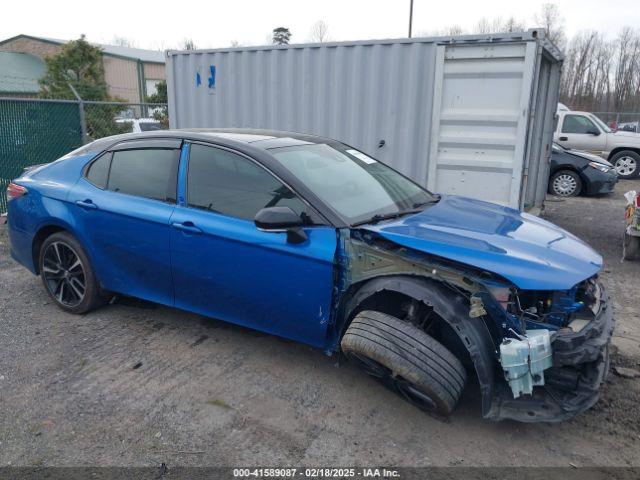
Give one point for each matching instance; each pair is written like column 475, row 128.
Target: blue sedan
column 310, row 239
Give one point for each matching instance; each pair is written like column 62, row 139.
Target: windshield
column 600, row 123
column 353, row 184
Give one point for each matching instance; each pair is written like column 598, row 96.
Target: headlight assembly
column 599, row 166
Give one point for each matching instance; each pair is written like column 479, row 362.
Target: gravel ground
column 139, row 384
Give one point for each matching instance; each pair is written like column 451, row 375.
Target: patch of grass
column 218, row 402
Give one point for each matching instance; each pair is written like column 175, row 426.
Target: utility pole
column 410, row 16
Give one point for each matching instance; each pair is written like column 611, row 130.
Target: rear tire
column 68, row 276
column 406, row 360
column 565, row 183
column 626, row 164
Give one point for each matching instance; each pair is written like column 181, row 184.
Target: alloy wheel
column 565, row 185
column 626, row 166
column 64, row 274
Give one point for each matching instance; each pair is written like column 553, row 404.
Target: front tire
column 626, row 164
column 406, row 360
column 565, row 183
column 67, row 274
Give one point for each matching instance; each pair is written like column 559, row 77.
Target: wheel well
column 622, row 149
column 389, row 292
column 571, row 168
column 38, row 240
column 418, row 313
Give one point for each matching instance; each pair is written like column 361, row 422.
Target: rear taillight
column 15, row 191
column 638, row 200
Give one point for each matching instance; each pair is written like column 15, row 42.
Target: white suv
column 585, row 131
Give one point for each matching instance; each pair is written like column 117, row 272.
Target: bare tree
column 550, row 18
column 513, row 24
column 235, row 44
column 122, row 41
column 497, row 25
column 587, row 71
column 627, row 73
column 451, row 30
column 485, row 25
column 188, row 44
column 319, row 32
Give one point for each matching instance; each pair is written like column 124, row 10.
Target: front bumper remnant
column 572, row 385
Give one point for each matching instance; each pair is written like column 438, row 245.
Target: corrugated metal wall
column 122, row 77
column 366, row 94
column 154, row 71
column 341, row 92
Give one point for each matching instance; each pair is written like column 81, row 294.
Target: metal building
column 468, row 115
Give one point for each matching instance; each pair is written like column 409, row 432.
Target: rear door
column 122, row 207
column 224, row 267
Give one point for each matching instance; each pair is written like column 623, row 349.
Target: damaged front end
column 538, row 355
column 580, row 324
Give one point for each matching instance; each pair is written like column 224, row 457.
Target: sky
column 161, row 24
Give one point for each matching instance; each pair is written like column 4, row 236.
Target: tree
column 281, row 36
column 123, row 41
column 160, row 113
column 552, row 20
column 497, row 25
column 79, row 64
column 513, row 24
column 319, row 32
column 188, row 44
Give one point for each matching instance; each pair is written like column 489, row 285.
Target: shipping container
column 466, row 115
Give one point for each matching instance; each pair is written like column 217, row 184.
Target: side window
column 226, row 183
column 149, row 173
column 577, row 124
column 98, row 172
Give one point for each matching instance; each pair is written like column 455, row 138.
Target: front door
column 580, row 133
column 122, row 207
column 224, row 267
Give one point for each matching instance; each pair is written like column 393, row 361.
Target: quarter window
column 577, row 124
column 149, row 173
column 226, row 183
column 98, row 172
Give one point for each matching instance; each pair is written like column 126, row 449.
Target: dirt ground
column 138, row 384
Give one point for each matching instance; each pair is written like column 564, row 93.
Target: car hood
column 530, row 252
column 630, row 138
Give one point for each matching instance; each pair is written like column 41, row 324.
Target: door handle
column 563, row 139
column 86, row 204
column 187, row 227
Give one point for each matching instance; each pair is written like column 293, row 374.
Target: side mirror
column 593, row 131
column 281, row 219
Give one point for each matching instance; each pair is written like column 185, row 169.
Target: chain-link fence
column 625, row 121
column 35, row 131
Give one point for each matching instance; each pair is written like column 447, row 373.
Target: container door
column 482, row 97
